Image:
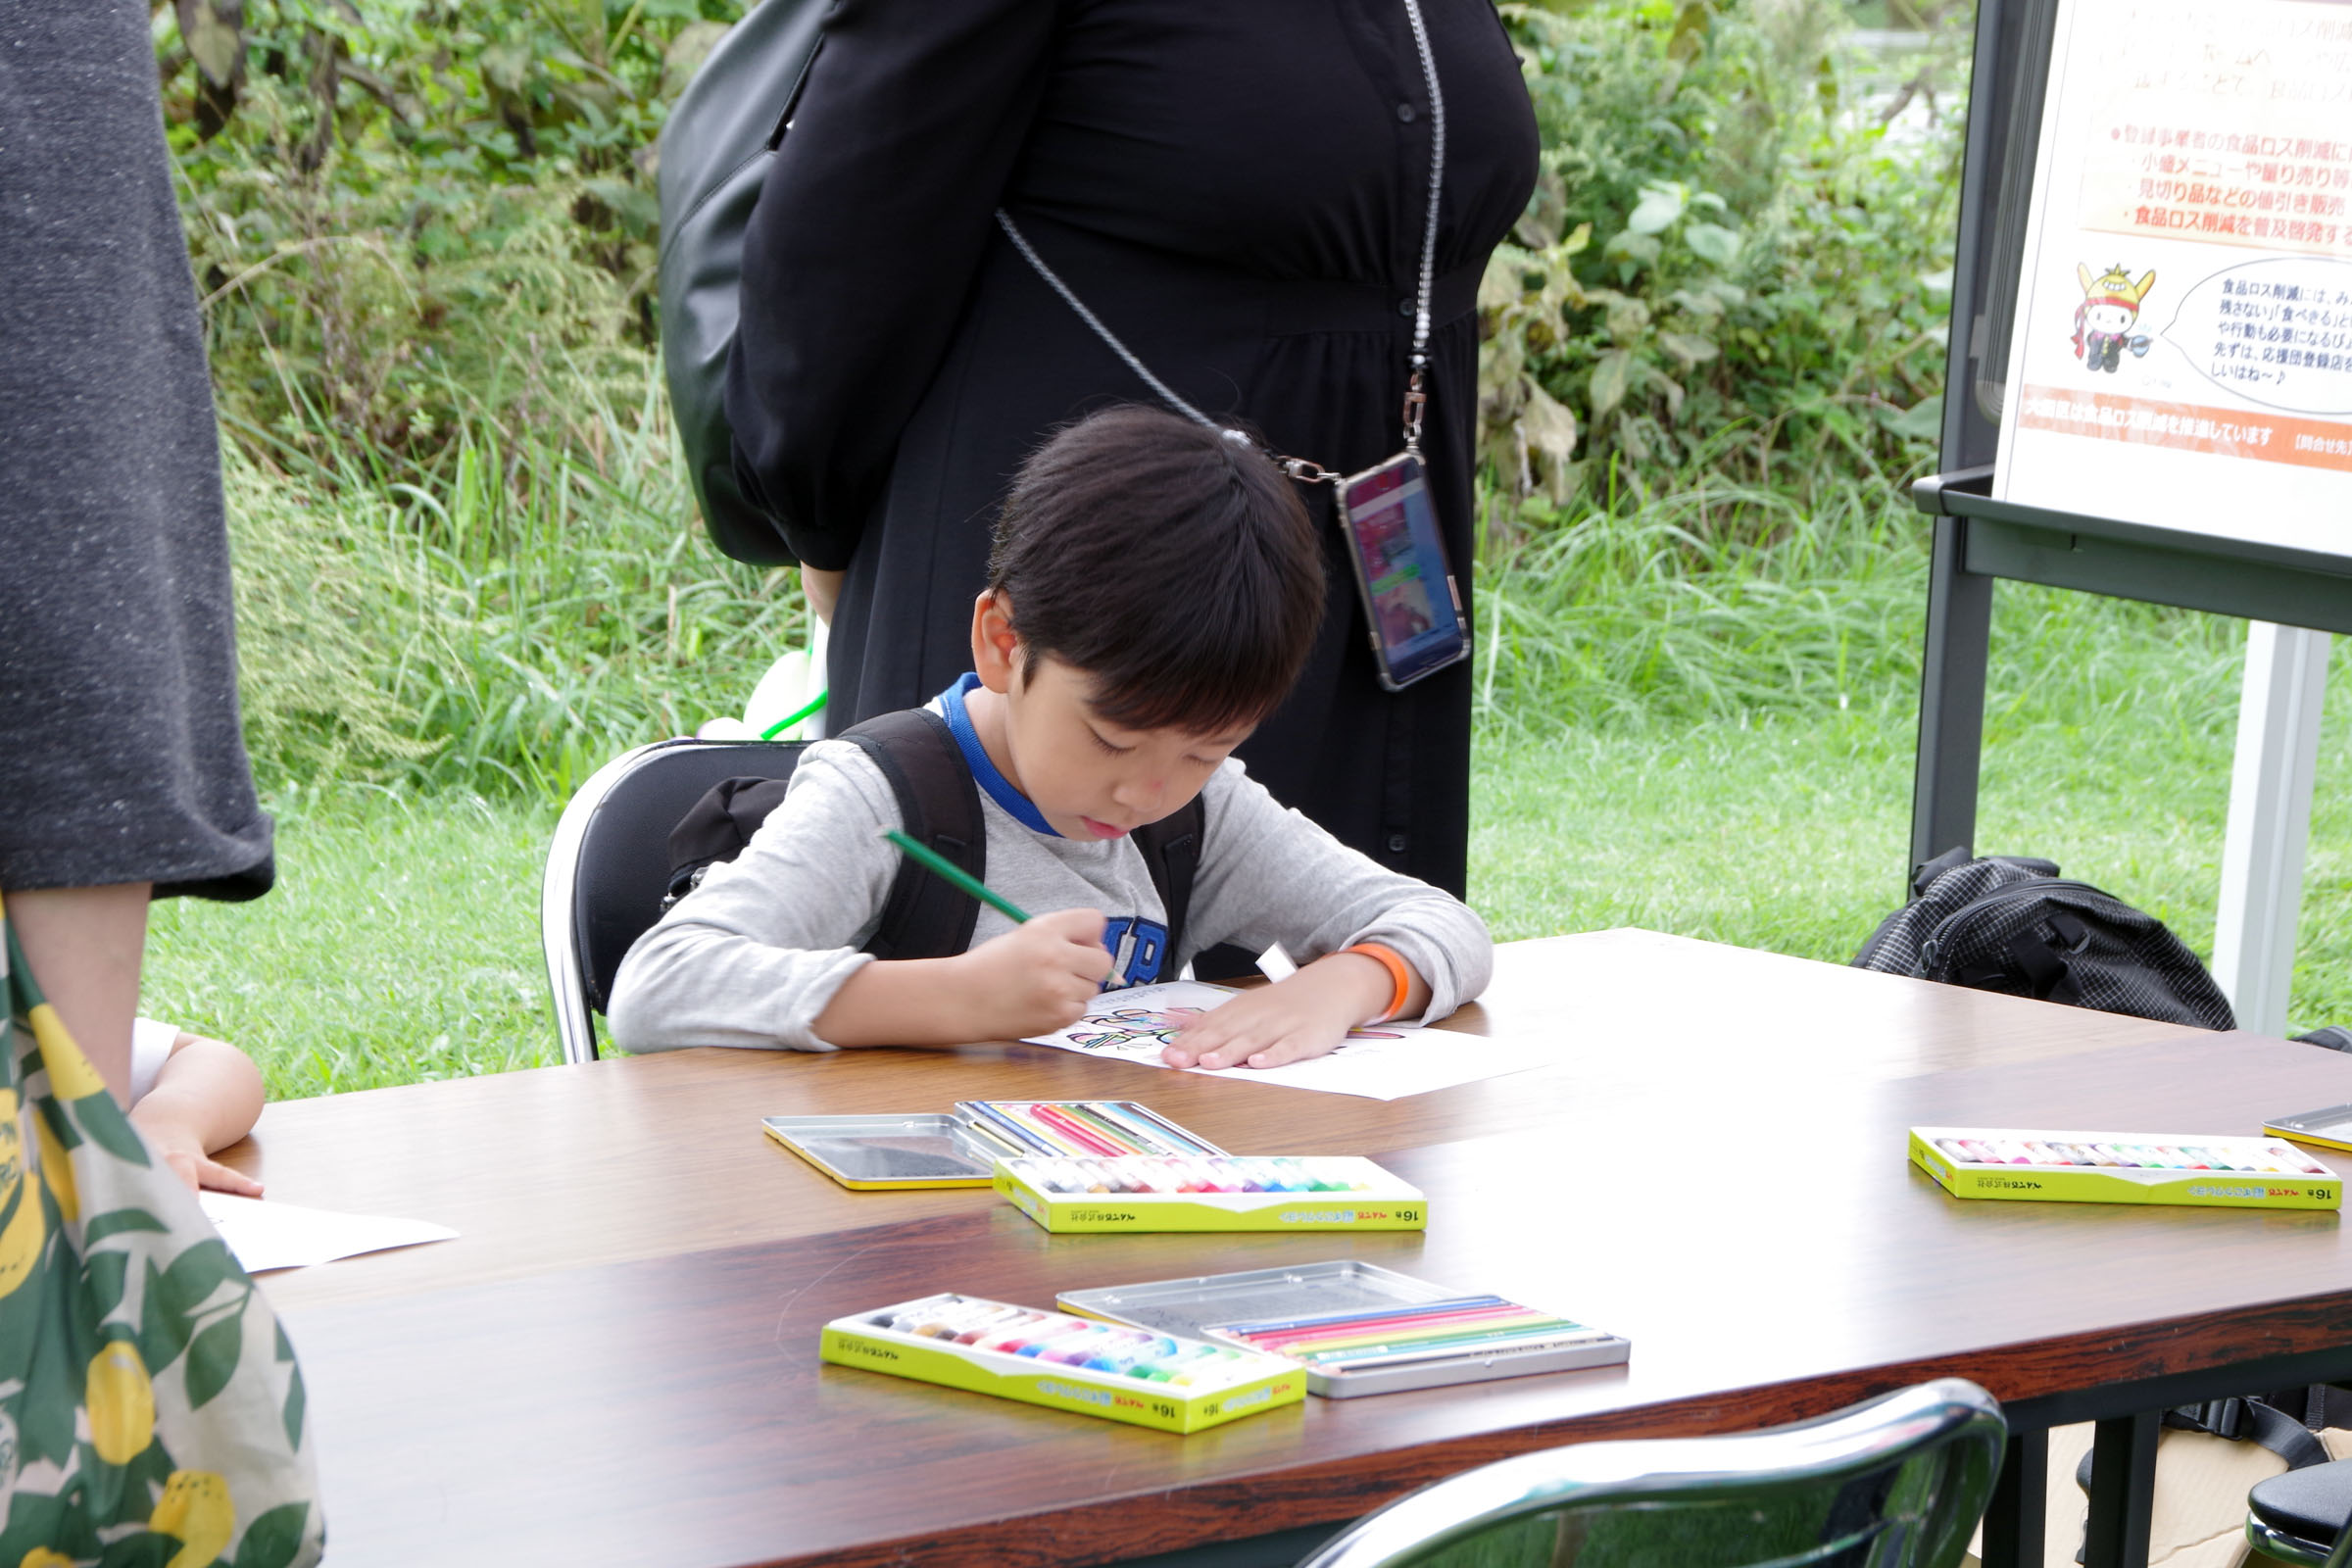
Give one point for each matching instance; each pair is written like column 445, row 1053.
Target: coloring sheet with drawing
column 1381, row 1061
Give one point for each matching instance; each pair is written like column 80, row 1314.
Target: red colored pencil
column 1073, row 1130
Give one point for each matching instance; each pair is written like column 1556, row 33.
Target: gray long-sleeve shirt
column 755, row 953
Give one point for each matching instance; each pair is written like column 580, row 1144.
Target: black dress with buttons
column 1238, row 189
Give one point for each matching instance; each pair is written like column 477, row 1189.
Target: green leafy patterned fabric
column 151, row 1410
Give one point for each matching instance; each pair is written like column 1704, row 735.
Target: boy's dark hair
column 1172, row 563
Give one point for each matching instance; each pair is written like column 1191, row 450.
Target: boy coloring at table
column 1155, row 588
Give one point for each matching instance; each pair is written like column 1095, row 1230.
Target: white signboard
column 2184, row 347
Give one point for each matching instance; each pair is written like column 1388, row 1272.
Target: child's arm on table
column 1272, row 875
column 208, row 1096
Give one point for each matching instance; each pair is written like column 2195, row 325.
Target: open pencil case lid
column 960, row 1148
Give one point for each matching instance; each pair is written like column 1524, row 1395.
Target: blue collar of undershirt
column 975, row 756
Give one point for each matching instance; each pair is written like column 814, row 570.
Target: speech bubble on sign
column 2277, row 332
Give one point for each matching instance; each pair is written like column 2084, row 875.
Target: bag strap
column 940, row 803
column 2252, row 1421
column 2238, row 1420
column 1171, row 849
column 2045, row 968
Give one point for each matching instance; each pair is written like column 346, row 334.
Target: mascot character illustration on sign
column 2103, row 321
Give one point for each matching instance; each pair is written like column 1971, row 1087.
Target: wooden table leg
column 2013, row 1522
column 2122, row 1491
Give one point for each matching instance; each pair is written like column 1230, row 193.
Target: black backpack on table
column 2010, row 923
column 939, row 803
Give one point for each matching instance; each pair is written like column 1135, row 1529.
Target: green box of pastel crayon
column 1230, row 1193
column 1163, row 1381
column 2093, row 1167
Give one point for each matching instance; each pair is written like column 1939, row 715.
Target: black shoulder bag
column 717, row 146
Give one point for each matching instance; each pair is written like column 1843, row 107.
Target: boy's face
column 1088, row 777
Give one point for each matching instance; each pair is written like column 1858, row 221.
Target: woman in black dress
column 1239, row 191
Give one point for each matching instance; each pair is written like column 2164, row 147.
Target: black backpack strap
column 716, row 828
column 2252, row 1421
column 940, row 803
column 2238, row 1421
column 1171, row 849
column 2044, row 969
column 1927, row 871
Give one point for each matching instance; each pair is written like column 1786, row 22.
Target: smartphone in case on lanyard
column 1409, row 596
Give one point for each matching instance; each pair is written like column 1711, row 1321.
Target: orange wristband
column 1401, row 976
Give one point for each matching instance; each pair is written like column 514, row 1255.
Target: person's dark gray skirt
column 121, row 758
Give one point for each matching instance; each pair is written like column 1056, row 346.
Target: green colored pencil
column 956, row 876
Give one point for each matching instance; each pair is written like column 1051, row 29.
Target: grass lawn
column 402, row 940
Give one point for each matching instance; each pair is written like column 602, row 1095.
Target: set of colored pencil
column 1393, row 1336
column 1102, row 1128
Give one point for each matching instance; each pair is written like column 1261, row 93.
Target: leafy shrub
column 424, row 232
column 1728, row 265
column 429, row 211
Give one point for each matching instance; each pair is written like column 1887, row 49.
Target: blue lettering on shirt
column 1139, row 950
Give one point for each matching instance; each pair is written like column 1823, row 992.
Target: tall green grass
column 1728, row 602
column 503, row 621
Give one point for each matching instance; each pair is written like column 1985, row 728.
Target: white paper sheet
column 266, row 1235
column 1386, row 1061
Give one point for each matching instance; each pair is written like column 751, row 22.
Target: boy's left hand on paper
column 1306, row 1015
column 182, row 1150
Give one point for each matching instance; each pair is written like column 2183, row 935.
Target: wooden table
column 617, row 1361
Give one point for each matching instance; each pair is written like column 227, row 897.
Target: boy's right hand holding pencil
column 1039, row 976
column 1033, row 979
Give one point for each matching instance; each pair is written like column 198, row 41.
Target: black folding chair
column 1898, row 1482
column 2304, row 1516
column 608, row 864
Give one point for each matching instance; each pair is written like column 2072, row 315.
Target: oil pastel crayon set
column 1116, row 1371
column 2093, row 1167
column 1209, row 1193
column 911, row 1150
column 1358, row 1328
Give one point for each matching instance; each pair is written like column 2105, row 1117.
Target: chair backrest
column 1897, row 1482
column 608, row 865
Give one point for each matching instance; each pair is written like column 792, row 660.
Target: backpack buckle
column 2223, row 1419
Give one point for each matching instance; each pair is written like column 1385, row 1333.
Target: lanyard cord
column 1416, row 396
column 1020, row 242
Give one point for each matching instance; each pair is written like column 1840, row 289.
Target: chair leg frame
column 2271, row 1541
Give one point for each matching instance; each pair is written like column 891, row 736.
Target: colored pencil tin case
column 1070, row 1364
column 1223, row 1193
column 1347, row 1292
column 916, row 1149
column 2090, row 1167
